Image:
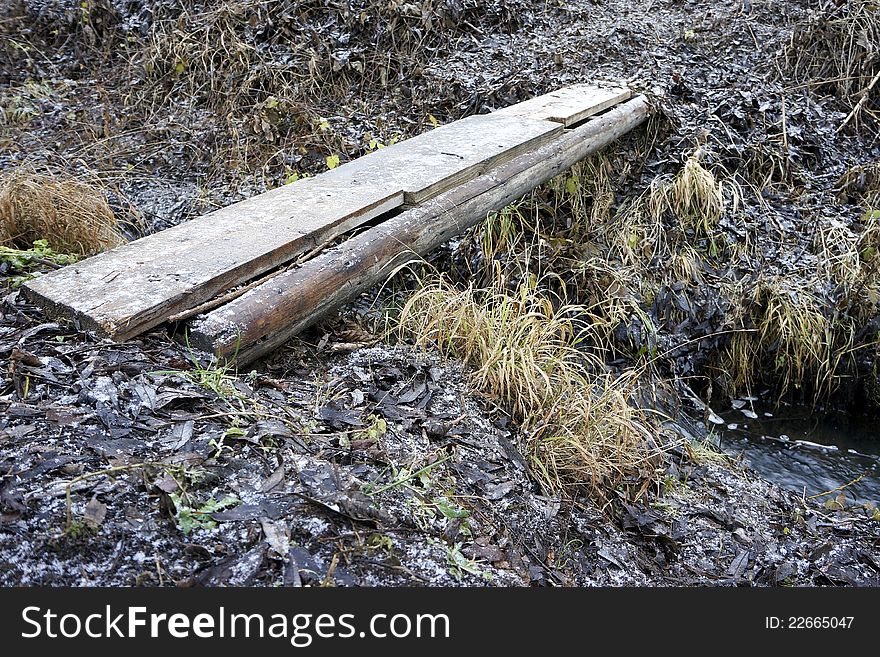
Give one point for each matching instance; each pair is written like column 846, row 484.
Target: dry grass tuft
column 72, row 216
column 694, row 196
column 705, row 452
column 634, row 234
column 502, row 233
column 802, row 333
column 805, row 344
column 585, row 195
column 739, row 362
column 292, row 82
column 609, row 293
column 849, row 256
column 521, row 344
column 767, row 166
column 578, row 427
column 684, row 265
column 861, row 185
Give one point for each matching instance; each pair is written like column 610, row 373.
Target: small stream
column 804, row 450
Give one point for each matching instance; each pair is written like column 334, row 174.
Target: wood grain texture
column 569, row 105
column 438, row 160
column 124, row 291
column 267, row 316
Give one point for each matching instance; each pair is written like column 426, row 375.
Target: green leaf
column 460, row 564
column 378, row 428
column 380, row 542
column 449, row 511
column 332, row 161
column 24, row 260
column 189, row 518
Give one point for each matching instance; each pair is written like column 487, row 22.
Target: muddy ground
column 309, row 489
column 342, row 459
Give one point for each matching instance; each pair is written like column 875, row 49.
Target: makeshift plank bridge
column 228, row 273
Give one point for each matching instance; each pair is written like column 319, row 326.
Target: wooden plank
column 265, row 317
column 438, row 160
column 568, row 105
column 125, row 291
column 132, row 288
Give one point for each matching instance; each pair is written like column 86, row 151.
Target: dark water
column 804, row 450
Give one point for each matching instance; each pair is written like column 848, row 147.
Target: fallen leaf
column 95, row 513
column 273, row 480
column 277, row 536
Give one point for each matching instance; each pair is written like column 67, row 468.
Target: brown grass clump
column 72, row 216
column 839, row 254
column 695, row 196
column 579, row 428
column 850, row 255
column 585, row 194
column 793, row 330
column 292, row 79
column 568, row 234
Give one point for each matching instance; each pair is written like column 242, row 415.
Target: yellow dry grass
column 578, row 427
column 695, row 196
column 71, row 215
column 861, row 185
column 806, row 345
column 838, row 46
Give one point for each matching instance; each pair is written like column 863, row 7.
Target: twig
column 784, row 133
column 866, row 93
column 834, row 490
column 328, row 579
column 754, row 38
column 819, row 83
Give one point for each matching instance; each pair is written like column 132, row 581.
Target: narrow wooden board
column 568, row 105
column 136, row 286
column 433, row 162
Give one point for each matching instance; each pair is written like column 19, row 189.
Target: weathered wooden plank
column 569, row 105
column 134, row 287
column 123, row 292
column 267, row 316
column 438, row 160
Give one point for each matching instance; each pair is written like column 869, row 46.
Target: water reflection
column 805, row 451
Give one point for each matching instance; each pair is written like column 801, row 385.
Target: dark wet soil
column 342, row 460
column 286, row 477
